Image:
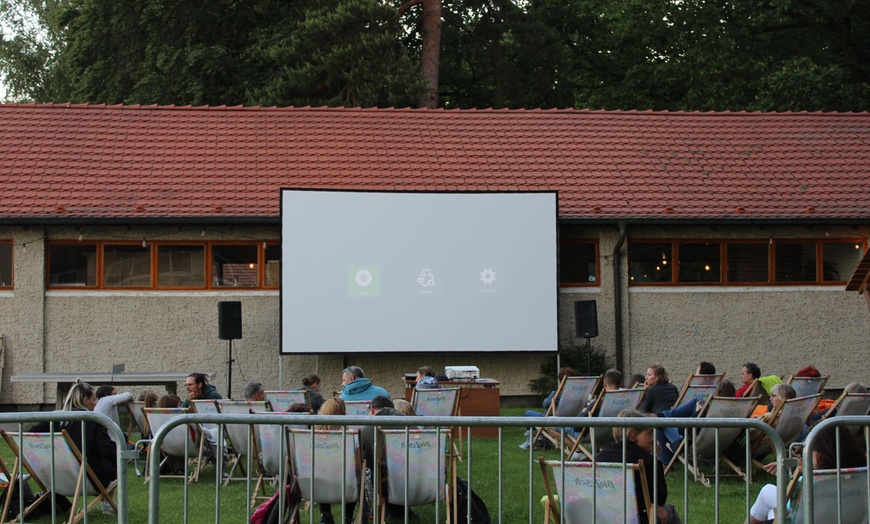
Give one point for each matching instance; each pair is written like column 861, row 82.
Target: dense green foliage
column 612, row 54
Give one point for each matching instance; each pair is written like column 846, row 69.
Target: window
column 126, row 265
column 748, row 262
column 234, row 266
column 840, row 260
column 157, row 265
column 72, row 265
column 578, row 262
column 744, row 262
column 5, row 264
column 650, row 262
column 181, row 266
column 700, row 262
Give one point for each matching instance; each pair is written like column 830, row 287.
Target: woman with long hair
column 94, row 439
column 660, row 393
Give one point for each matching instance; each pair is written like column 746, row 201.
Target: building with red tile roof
column 762, row 216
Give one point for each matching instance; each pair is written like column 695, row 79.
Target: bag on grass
column 479, row 513
column 269, row 512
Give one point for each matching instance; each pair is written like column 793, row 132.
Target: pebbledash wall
column 782, row 328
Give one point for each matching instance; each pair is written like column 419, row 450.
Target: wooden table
column 65, row 381
column 477, row 398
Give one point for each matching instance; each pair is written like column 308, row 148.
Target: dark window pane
column 73, row 264
column 126, row 266
column 273, row 265
column 181, row 266
column 748, row 262
column 234, row 266
column 796, row 262
column 650, row 263
column 700, row 262
column 577, row 262
column 839, row 260
column 6, row 265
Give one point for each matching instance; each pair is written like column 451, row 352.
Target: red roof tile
column 144, row 162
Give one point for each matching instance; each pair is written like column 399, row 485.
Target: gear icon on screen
column 487, row 276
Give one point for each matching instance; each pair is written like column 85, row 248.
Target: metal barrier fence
column 468, row 457
column 26, row 420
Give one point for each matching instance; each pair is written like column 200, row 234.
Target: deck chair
column 137, row 418
column 609, row 404
column 174, row 443
column 424, row 464
column 443, row 402
column 327, row 463
column 702, row 442
column 805, row 386
column 357, row 408
column 571, row 397
column 614, row 494
column 756, row 389
column 851, row 491
column 69, row 476
column 700, row 391
column 788, row 420
column 240, row 436
column 271, row 445
column 695, row 380
column 282, row 399
column 850, row 404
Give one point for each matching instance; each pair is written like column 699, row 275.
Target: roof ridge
column 614, row 112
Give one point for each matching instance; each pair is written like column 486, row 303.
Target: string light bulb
column 80, row 237
column 203, row 232
column 144, row 245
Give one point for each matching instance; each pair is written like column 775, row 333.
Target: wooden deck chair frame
column 704, row 438
column 806, row 404
column 261, row 448
column 603, row 436
column 60, row 441
column 553, row 509
column 301, row 447
column 193, row 431
column 421, row 465
column 573, row 390
column 239, row 437
column 282, row 399
column 805, row 386
column 698, row 380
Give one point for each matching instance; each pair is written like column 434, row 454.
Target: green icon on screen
column 363, row 281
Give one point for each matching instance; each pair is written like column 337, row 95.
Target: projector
column 462, row 372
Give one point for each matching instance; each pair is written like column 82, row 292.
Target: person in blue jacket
column 355, row 386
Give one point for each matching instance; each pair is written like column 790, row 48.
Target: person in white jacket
column 108, row 401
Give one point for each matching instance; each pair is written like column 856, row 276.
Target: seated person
column 824, row 457
column 311, row 383
column 636, row 381
column 108, row 401
column 426, row 378
column 778, row 394
column 705, row 368
column 404, row 407
column 639, row 445
column 660, row 393
column 169, row 401
column 669, row 438
column 254, row 392
column 748, row 374
column 354, row 385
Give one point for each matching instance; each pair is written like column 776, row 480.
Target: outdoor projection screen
column 424, row 272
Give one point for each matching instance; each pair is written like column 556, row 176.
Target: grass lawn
column 482, row 455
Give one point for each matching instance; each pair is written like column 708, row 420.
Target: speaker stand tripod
column 230, row 368
column 588, row 355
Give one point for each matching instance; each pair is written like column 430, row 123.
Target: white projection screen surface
column 412, row 271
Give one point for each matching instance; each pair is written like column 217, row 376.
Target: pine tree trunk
column 430, row 56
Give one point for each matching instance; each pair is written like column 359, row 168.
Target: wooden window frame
column 153, row 247
column 724, row 244
column 11, row 284
column 597, row 257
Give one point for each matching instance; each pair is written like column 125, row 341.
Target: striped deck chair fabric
column 35, row 456
column 421, row 457
column 282, row 399
column 614, row 494
column 327, row 464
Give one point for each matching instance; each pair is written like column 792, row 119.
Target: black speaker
column 229, row 320
column 586, row 317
